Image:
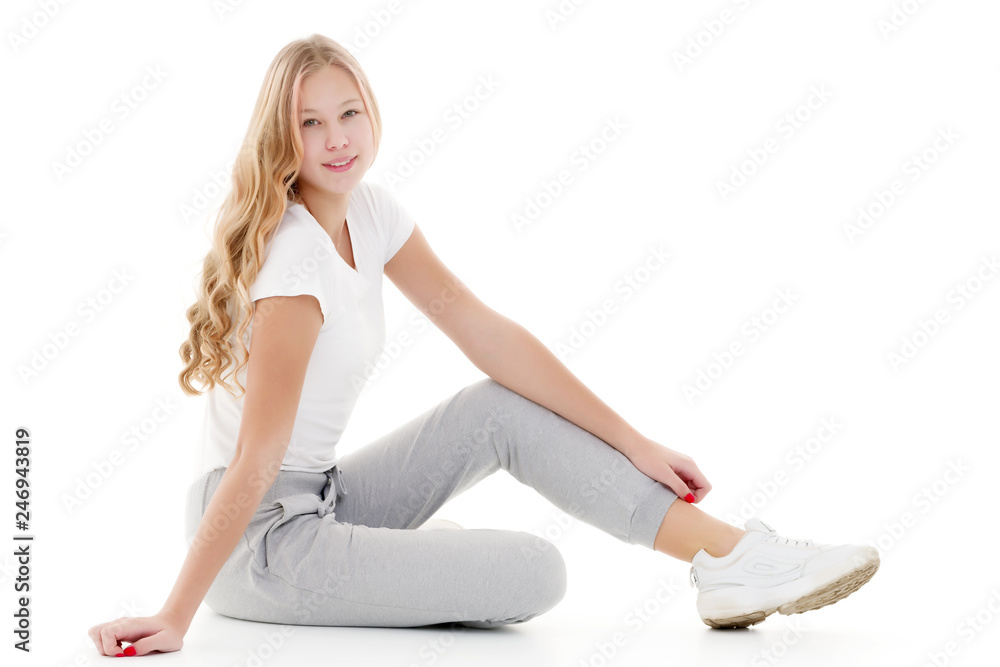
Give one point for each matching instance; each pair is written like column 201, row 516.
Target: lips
column 340, row 162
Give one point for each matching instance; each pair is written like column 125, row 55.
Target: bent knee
column 534, row 582
column 545, row 569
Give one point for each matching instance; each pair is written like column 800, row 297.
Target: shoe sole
column 825, row 595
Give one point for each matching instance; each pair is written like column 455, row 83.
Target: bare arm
column 235, row 501
column 500, row 347
column 511, row 355
column 285, row 330
column 284, row 334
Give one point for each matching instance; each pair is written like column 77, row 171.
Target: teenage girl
column 281, row 529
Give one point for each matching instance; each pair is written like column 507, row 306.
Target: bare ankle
column 686, row 530
column 724, row 546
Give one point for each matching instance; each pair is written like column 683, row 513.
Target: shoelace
column 778, row 539
column 773, row 537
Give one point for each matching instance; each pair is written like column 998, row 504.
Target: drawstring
column 341, row 488
column 336, row 489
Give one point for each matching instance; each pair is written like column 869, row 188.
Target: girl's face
column 335, row 128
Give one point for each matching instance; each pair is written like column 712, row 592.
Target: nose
column 336, row 139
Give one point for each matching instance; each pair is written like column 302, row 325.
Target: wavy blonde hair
column 265, row 176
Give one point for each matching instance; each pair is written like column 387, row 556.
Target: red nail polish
column 689, row 497
column 118, row 655
column 130, row 650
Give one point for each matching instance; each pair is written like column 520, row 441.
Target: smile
column 341, row 166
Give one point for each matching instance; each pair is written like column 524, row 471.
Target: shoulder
column 296, row 237
column 295, row 226
column 291, row 259
column 292, row 221
column 375, row 202
column 376, row 196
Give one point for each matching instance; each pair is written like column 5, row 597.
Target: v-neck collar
column 356, row 269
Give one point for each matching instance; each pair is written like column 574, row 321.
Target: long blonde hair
column 265, row 176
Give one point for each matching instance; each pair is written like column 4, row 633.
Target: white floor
column 624, row 606
column 886, row 237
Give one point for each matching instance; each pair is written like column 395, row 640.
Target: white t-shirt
column 300, row 258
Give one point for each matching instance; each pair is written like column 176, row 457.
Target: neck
column 329, row 209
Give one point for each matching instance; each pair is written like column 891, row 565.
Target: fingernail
column 118, row 655
column 130, row 650
column 689, row 497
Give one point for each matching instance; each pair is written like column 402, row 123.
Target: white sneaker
column 439, row 524
column 767, row 573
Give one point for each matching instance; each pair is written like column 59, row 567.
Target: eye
column 307, row 121
column 352, row 111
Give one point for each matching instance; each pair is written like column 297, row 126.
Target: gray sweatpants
column 338, row 547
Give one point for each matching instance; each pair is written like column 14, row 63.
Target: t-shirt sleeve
column 292, row 267
column 394, row 219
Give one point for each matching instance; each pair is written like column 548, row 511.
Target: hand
column 678, row 471
column 145, row 633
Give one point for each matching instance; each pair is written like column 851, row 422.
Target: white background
column 890, row 90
